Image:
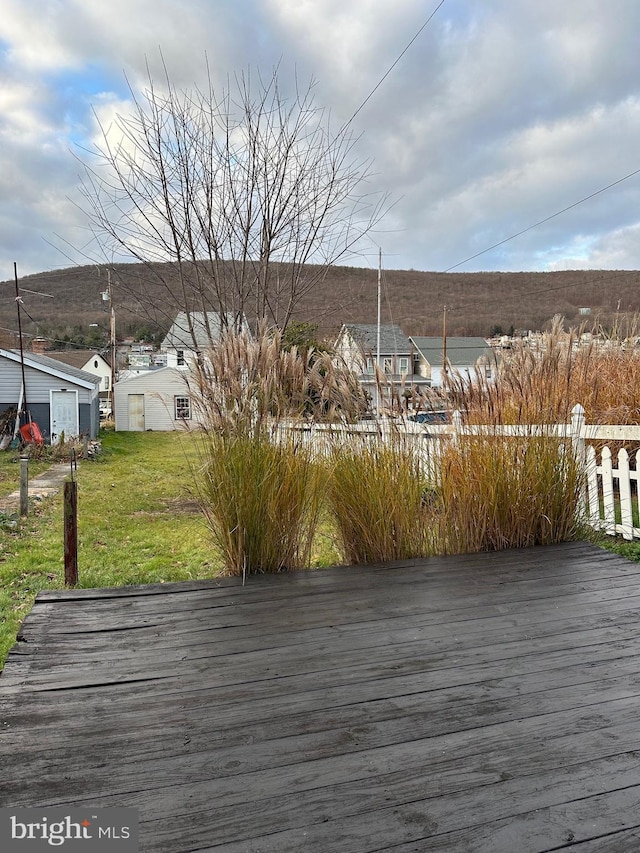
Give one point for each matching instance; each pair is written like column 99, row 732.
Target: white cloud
column 501, row 113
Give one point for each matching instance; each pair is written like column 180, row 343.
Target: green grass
column 137, row 523
column 10, row 470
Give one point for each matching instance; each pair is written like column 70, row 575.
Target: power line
column 546, row 219
column 390, row 69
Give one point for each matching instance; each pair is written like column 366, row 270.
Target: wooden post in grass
column 24, row 486
column 70, row 533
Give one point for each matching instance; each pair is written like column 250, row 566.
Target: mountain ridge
column 476, row 303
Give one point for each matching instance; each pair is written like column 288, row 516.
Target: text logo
column 31, row 830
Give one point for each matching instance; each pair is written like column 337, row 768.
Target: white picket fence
column 611, row 494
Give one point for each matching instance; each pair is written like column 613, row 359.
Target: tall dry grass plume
column 262, row 497
column 378, row 498
column 541, row 383
column 500, row 491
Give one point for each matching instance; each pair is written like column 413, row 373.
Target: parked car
column 429, row 417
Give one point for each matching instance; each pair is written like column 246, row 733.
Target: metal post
column 112, row 347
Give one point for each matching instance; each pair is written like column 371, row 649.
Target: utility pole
column 23, row 407
column 379, row 390
column 444, row 341
column 107, row 296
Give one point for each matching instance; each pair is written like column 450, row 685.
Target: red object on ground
column 31, row 433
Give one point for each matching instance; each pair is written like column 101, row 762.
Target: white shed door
column 64, row 415
column 136, row 412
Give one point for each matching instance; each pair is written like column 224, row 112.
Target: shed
column 61, row 399
column 92, row 362
column 154, row 400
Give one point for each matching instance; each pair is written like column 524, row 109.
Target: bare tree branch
column 247, row 195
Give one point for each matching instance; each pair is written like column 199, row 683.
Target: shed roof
column 54, row 368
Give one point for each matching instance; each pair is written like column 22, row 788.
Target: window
column 388, row 364
column 370, row 366
column 404, row 365
column 180, row 355
column 106, row 382
column 182, row 408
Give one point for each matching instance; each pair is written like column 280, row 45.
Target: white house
column 464, row 356
column 193, row 333
column 357, row 346
column 155, row 400
column 61, row 399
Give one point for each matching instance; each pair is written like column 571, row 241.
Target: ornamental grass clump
column 260, row 489
column 498, row 492
column 518, row 481
column 378, row 495
column 262, row 501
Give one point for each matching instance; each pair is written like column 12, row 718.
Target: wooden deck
column 478, row 703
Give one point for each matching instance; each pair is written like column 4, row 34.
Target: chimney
column 40, row 345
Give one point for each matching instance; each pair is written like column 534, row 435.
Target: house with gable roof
column 357, row 346
column 463, row 355
column 192, row 333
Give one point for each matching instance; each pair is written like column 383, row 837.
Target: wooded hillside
column 476, row 303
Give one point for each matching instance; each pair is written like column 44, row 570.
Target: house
column 61, row 399
column 150, row 397
column 194, row 333
column 155, row 400
column 357, row 346
column 464, row 356
column 91, row 362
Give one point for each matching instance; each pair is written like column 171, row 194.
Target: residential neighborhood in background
column 148, row 386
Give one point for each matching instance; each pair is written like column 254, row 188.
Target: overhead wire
column 546, row 219
column 391, row 67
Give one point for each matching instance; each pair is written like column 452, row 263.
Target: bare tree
column 238, row 200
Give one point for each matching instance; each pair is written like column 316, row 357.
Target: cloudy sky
column 499, row 115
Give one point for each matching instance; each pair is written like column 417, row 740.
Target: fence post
column 579, row 451
column 71, row 527
column 577, row 425
column 70, row 533
column 456, row 420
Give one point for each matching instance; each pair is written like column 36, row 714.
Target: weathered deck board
column 477, row 703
